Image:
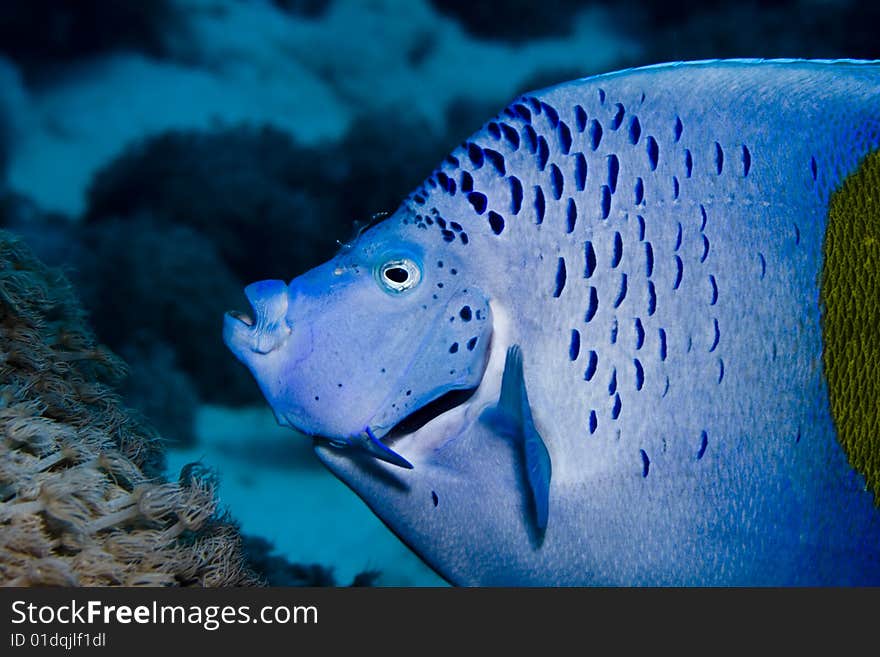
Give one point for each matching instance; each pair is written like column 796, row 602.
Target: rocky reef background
column 165, row 153
column 82, row 498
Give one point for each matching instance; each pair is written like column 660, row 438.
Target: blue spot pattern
column 561, row 168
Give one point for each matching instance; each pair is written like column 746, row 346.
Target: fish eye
column 399, row 275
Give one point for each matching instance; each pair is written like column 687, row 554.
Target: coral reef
column 695, row 29
column 5, row 146
column 690, row 29
column 307, row 8
column 516, row 21
column 143, row 333
column 271, row 206
column 52, row 237
column 241, row 188
column 81, row 502
column 154, row 286
column 160, row 390
column 12, row 100
column 278, row 571
column 313, row 70
column 4, row 151
column 37, row 33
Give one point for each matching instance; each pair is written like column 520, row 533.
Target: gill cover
column 452, row 356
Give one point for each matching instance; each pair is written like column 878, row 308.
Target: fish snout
column 267, row 329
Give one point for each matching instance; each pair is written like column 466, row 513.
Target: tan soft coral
column 81, row 499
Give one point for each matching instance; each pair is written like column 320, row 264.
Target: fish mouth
column 429, row 428
column 416, row 422
column 238, row 332
column 428, row 413
column 239, row 316
column 435, row 419
column 265, row 327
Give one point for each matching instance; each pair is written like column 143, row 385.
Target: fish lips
column 267, row 329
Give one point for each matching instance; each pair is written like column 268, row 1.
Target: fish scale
column 622, row 279
column 647, row 246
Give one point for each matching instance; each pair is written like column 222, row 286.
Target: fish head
column 360, row 344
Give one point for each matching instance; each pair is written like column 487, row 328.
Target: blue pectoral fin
column 376, row 448
column 512, row 418
column 505, row 418
column 538, row 471
column 502, row 423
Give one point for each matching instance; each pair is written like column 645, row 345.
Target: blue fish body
column 650, row 244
